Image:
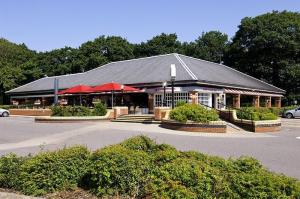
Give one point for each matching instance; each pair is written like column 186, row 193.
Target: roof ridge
column 233, row 70
column 183, row 64
column 128, row 60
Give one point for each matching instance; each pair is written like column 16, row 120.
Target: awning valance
column 244, row 92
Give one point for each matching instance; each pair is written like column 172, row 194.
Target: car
column 292, row 113
column 4, row 112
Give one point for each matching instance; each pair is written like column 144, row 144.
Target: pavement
column 278, row 151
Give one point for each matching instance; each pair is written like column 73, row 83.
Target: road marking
column 298, row 138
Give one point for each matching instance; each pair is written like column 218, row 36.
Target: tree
column 210, row 46
column 105, row 49
column 161, row 44
column 12, row 58
column 268, row 47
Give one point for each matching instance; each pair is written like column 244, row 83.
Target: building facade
column 197, row 81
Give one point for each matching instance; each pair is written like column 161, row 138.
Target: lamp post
column 122, row 91
column 56, row 86
column 164, row 84
column 173, row 77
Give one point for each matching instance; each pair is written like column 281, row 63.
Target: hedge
column 65, row 111
column 256, row 114
column 193, row 112
column 140, row 168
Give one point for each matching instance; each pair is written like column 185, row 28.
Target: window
column 204, row 98
column 158, row 98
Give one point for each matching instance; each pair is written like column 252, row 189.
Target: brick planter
column 31, row 112
column 211, row 127
column 254, row 126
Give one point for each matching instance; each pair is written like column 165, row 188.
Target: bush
column 54, row 171
column 251, row 113
column 117, row 170
column 140, row 168
column 67, row 111
column 10, row 171
column 193, row 112
column 100, row 109
column 180, row 103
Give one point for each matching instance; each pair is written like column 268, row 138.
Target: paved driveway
column 279, row 152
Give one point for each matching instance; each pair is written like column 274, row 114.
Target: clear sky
column 48, row 24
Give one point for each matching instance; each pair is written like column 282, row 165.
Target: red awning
column 79, row 89
column 114, row 87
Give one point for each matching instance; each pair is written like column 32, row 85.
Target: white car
column 4, row 112
column 292, row 113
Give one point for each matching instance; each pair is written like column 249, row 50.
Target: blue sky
column 45, row 25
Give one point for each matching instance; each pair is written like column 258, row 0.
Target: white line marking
column 298, row 138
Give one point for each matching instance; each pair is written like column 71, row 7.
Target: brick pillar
column 194, row 97
column 236, row 101
column 256, row 101
column 150, row 102
column 268, row 102
column 278, row 102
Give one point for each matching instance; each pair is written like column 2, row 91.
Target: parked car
column 292, row 113
column 4, row 112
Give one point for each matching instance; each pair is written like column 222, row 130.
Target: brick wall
column 31, row 112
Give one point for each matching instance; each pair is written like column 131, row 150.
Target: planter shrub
column 54, row 171
column 67, row 111
column 256, row 114
column 193, row 112
column 99, row 109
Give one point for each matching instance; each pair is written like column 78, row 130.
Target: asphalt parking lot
column 280, row 152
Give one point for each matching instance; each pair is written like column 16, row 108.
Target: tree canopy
column 268, row 47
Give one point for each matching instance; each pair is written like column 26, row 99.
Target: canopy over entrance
column 79, row 89
column 108, row 87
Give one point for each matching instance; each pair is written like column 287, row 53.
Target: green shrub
column 10, row 170
column 251, row 113
column 5, row 106
column 99, row 109
column 117, row 170
column 140, row 168
column 67, row 111
column 180, row 103
column 193, row 112
column 54, row 171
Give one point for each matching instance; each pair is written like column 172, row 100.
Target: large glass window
column 182, row 96
column 204, row 98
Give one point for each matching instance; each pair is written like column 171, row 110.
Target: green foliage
column 54, row 171
column 117, row 170
column 210, row 46
column 10, row 171
column 99, row 109
column 140, row 168
column 180, row 103
column 267, row 47
column 67, row 111
column 193, row 112
column 251, row 113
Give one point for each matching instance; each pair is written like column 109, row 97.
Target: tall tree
column 161, row 44
column 268, row 47
column 105, row 49
column 13, row 58
column 210, row 46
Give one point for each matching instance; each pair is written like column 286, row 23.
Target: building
column 197, row 81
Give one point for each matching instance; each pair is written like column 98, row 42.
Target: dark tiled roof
column 152, row 70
